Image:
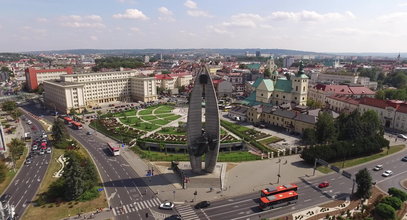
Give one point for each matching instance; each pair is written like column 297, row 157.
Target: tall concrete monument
column 203, row 140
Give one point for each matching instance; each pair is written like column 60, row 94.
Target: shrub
column 89, row 194
column 402, row 195
column 385, row 211
column 392, row 201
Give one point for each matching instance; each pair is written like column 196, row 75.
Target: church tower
column 300, row 86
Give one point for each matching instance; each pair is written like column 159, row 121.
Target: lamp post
column 278, row 175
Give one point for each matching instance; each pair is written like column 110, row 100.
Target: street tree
column 3, row 171
column 385, row 211
column 325, row 130
column 371, row 124
column 398, row 193
column 392, row 201
column 72, row 111
column 364, row 184
column 9, row 106
column 73, row 175
column 16, row 148
column 309, row 136
column 59, row 131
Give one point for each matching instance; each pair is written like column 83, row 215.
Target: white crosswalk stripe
column 186, row 212
column 136, row 206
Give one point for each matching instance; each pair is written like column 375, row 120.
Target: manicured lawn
column 129, row 121
column 236, row 126
column 160, row 122
column 165, row 115
column 223, row 156
column 64, row 209
column 148, row 117
column 10, row 174
column 270, row 140
column 172, row 118
column 361, row 160
column 145, row 112
column 160, row 111
column 145, row 126
column 171, row 130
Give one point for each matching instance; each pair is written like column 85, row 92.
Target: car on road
column 173, row 217
column 28, row 161
column 34, row 147
column 166, row 205
column 48, row 150
column 89, row 133
column 29, row 122
column 402, row 136
column 42, row 151
column 5, row 198
column 203, row 204
column 323, row 184
column 378, row 167
column 387, row 173
column 404, row 158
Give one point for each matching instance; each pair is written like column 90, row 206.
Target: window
column 296, row 88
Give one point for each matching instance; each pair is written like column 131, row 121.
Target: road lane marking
column 307, row 200
column 219, row 206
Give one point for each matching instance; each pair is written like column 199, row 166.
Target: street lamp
column 278, row 175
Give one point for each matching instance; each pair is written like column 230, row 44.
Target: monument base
column 215, row 180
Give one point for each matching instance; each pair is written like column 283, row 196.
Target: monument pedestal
column 216, row 179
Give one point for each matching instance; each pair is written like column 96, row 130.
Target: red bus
column 114, row 149
column 76, row 125
column 279, row 189
column 278, row 200
column 67, row 120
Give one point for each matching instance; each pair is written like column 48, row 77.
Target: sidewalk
column 104, row 215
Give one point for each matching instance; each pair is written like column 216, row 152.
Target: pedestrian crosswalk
column 124, row 209
column 186, row 212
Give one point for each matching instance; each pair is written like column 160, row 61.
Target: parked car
column 387, row 173
column 323, row 184
column 203, row 204
column 167, row 205
column 402, row 136
column 378, row 167
column 404, row 158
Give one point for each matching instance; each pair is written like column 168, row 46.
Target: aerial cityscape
column 203, row 110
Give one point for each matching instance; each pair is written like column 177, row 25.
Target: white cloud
column 198, row 13
column 217, row 30
column 357, row 31
column 78, row 21
column 245, row 20
column 166, row 14
column 36, row 31
column 94, row 38
column 164, row 11
column 134, row 29
column 393, row 17
column 191, row 4
column 310, row 16
column 131, row 14
column 127, row 1
column 403, row 4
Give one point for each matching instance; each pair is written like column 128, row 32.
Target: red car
column 323, row 184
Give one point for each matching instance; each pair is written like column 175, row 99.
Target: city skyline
column 319, row 26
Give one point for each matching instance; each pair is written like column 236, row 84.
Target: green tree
column 371, row 124
column 385, row 211
column 394, row 202
column 73, row 175
column 364, row 183
column 16, row 147
column 59, row 131
column 325, row 130
column 313, row 104
column 349, row 126
column 402, row 195
column 9, row 106
column 3, row 171
column 16, row 113
column 309, row 137
column 267, row 73
column 72, row 111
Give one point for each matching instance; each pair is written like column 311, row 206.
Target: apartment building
column 320, row 92
column 35, row 77
column 80, row 91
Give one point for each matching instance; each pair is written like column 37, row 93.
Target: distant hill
column 222, row 51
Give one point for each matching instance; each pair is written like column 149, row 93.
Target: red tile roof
column 360, row 90
column 337, row 89
column 163, row 77
column 381, row 103
column 346, row 99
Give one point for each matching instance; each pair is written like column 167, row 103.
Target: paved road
column 128, row 194
column 28, row 180
column 246, row 206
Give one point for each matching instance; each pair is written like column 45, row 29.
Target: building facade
column 320, row 92
column 80, row 91
column 36, row 77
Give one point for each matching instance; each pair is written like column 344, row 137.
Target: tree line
column 117, row 62
column 350, row 135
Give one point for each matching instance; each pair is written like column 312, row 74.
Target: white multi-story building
column 36, row 77
column 80, row 91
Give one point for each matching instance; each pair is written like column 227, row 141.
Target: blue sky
column 314, row 25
